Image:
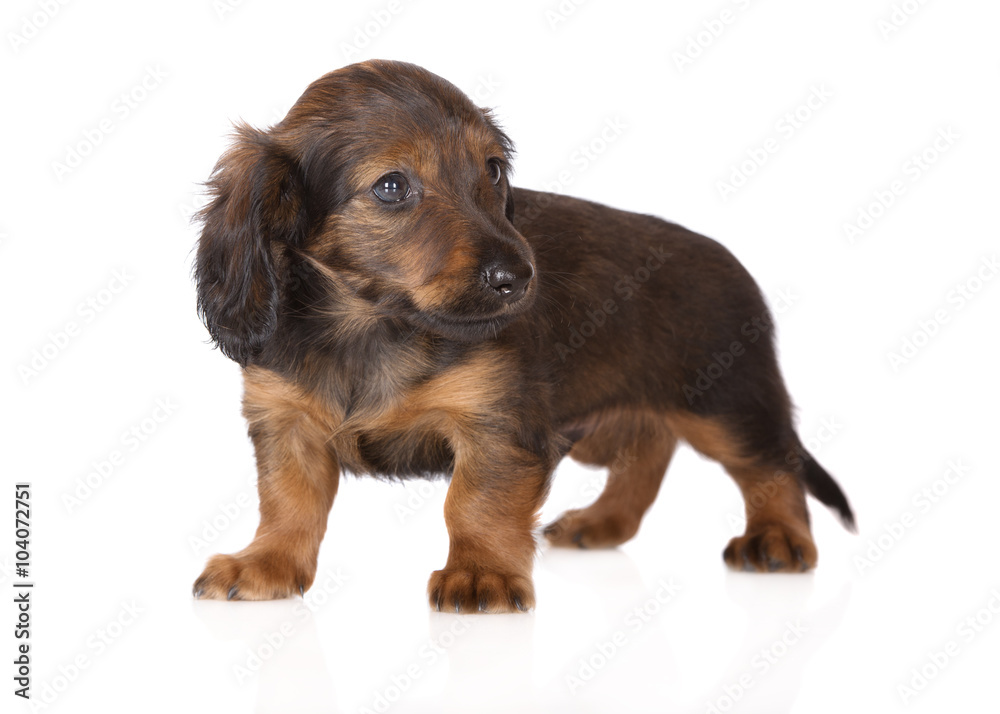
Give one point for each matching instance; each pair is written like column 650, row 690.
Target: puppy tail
column 821, row 485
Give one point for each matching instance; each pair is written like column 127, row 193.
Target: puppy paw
column 772, row 547
column 589, row 529
column 251, row 575
column 468, row 591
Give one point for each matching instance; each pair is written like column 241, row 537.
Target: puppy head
column 390, row 182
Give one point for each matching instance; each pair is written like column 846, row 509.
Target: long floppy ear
column 257, row 205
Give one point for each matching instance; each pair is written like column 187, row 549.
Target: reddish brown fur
column 432, row 332
column 297, row 481
column 777, row 537
column 636, row 447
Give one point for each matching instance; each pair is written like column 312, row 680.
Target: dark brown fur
column 373, row 341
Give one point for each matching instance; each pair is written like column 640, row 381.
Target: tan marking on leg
column 297, row 478
column 495, row 492
column 637, row 448
column 491, row 511
column 777, row 537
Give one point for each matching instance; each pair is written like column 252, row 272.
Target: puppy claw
column 252, row 575
column 772, row 548
column 799, row 560
column 476, row 591
column 763, row 556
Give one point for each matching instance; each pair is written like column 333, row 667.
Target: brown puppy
column 400, row 310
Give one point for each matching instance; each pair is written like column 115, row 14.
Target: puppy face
column 388, row 180
column 424, row 223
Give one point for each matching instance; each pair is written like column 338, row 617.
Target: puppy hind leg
column 635, row 474
column 777, row 536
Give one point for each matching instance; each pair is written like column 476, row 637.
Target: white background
column 114, row 625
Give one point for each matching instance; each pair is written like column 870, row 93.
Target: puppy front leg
column 297, row 479
column 490, row 511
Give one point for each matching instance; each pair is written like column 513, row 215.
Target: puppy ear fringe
column 256, row 205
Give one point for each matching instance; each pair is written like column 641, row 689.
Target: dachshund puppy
column 400, row 310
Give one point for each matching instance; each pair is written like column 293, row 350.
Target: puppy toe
column 466, row 591
column 589, row 529
column 772, row 548
column 251, row 576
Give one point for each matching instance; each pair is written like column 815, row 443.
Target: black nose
column 509, row 281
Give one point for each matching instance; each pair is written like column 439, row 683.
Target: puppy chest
column 401, row 454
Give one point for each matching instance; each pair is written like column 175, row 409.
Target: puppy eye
column 391, row 188
column 495, row 170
